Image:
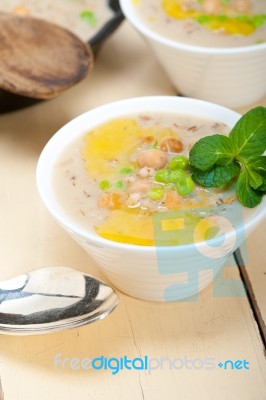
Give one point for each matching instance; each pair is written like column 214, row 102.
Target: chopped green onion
column 221, row 18
column 104, row 185
column 155, row 194
column 155, row 145
column 89, row 17
column 176, row 175
column 126, row 170
column 180, row 162
column 185, row 186
column 258, row 20
column 169, row 186
column 162, row 176
column 204, row 19
column 120, row 185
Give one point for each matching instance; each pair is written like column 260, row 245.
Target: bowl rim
column 130, row 14
column 45, row 164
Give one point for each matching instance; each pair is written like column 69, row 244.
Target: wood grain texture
column 39, row 59
column 254, row 274
column 1, row 391
column 215, row 326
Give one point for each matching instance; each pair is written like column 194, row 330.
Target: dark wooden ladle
column 39, row 59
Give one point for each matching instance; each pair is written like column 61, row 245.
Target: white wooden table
column 216, row 328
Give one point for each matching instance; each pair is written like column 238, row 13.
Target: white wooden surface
column 213, row 327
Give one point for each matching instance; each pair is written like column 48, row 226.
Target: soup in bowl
column 214, row 50
column 118, row 180
column 82, row 17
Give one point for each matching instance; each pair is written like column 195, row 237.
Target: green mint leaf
column 218, row 176
column 259, row 164
column 262, row 187
column 211, row 150
column 255, row 179
column 249, row 134
column 246, row 195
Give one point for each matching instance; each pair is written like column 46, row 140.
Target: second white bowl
column 233, row 77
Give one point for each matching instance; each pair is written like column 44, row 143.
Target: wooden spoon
column 39, row 59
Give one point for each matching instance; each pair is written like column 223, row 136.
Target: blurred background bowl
column 233, row 77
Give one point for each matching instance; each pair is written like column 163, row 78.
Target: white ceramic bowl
column 233, row 77
column 145, row 272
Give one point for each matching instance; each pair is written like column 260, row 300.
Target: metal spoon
column 39, row 59
column 53, row 299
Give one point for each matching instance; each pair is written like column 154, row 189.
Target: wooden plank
column 212, row 328
column 1, row 391
column 253, row 273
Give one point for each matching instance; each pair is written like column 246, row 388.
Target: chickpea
column 146, row 172
column 172, row 145
column 153, row 158
column 211, row 6
column 188, row 4
column 130, row 179
column 139, row 185
column 241, row 6
column 133, row 199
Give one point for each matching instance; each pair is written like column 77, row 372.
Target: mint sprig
column 219, row 160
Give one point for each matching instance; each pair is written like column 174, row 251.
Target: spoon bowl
column 39, row 59
column 10, row 102
column 52, row 299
